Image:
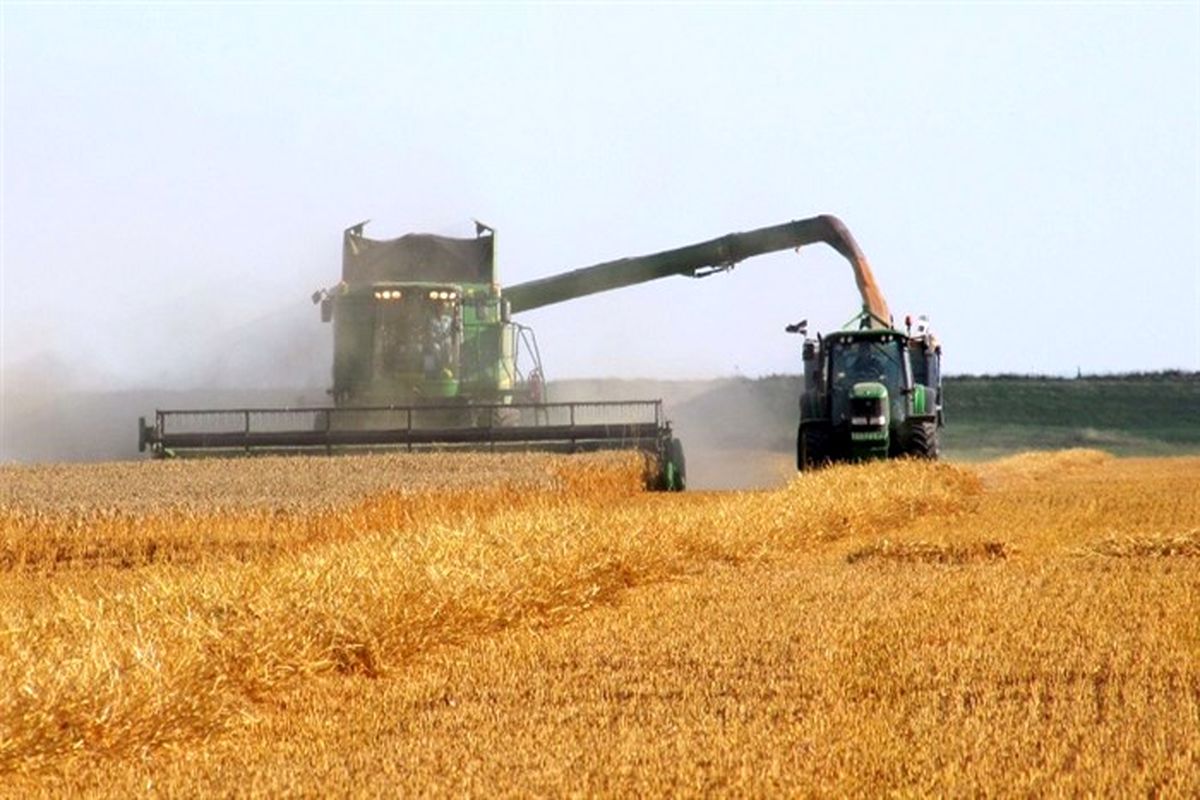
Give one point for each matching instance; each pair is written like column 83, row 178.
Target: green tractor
column 870, row 392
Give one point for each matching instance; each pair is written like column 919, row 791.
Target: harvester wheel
column 505, row 417
column 676, row 468
column 923, row 440
column 812, row 447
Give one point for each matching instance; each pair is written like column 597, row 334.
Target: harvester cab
column 870, row 391
column 420, row 319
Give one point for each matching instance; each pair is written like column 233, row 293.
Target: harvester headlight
column 433, row 295
column 443, row 295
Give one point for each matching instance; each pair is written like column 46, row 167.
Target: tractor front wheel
column 812, row 447
column 923, row 440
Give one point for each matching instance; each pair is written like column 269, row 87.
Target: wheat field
column 475, row 624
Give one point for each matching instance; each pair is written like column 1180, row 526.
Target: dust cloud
column 737, row 433
column 60, row 407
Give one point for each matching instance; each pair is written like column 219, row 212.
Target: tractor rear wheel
column 812, row 447
column 923, row 440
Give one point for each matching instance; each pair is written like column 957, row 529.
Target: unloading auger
column 705, row 259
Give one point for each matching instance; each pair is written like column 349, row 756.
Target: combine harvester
column 427, row 356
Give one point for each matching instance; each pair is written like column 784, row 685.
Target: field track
column 1027, row 625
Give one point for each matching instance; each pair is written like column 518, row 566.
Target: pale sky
column 176, row 177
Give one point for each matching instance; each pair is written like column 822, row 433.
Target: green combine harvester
column 427, row 355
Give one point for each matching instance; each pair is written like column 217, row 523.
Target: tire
column 923, row 441
column 676, row 469
column 504, row 417
column 812, row 447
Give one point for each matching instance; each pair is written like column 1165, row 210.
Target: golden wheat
column 176, row 654
column 1027, row 625
column 132, row 514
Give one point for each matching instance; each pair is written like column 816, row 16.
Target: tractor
column 870, row 392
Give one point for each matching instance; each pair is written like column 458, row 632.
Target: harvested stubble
column 184, row 652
